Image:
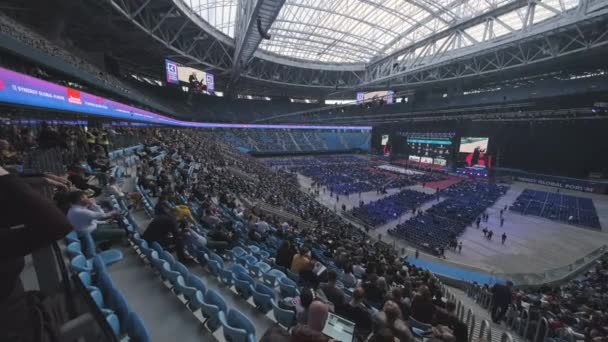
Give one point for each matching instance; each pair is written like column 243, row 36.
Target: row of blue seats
column 92, row 272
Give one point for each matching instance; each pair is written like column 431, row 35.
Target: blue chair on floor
column 114, row 324
column 111, row 256
column 168, row 274
column 212, row 305
column 237, row 327
column 104, row 281
column 235, row 253
column 196, row 282
column 157, row 247
column 244, row 284
column 136, row 329
column 197, row 301
column 253, row 249
column 236, row 268
column 118, row 303
column 247, row 260
column 73, row 249
column 157, row 262
column 288, row 287
column 98, row 299
column 168, row 257
column 183, row 288
column 418, row 328
column 262, row 297
column 99, row 266
column 201, row 257
column 72, row 237
column 215, row 268
column 271, row 277
column 226, row 277
column 286, row 318
column 80, row 264
column 258, row 269
column 293, row 276
column 215, row 257
column 183, row 270
column 87, row 281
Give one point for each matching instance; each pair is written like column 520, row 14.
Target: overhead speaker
column 261, row 31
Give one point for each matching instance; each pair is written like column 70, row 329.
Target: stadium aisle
column 481, row 314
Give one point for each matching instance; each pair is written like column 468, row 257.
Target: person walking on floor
column 504, row 238
column 460, row 247
column 502, row 221
column 490, row 234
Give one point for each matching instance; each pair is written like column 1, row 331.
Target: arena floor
column 534, row 244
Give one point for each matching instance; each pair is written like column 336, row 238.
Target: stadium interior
column 304, row 170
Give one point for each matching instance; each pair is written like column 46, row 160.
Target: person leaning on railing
column 28, row 222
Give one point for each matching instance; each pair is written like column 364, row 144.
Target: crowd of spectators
column 438, row 227
column 283, row 140
column 575, row 310
column 389, row 208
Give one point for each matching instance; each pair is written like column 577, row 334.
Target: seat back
column 183, row 270
column 88, row 245
column 237, row 327
column 73, row 249
column 79, row 264
column 136, row 329
column 113, row 322
column 262, row 295
column 288, row 287
column 197, row 283
column 212, row 304
column 118, row 304
column 168, row 257
column 286, row 318
column 271, row 277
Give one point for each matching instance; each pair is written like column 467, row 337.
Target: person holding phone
column 86, row 216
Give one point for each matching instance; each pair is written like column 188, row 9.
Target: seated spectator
column 302, row 261
column 134, row 198
column 77, row 176
column 312, row 330
column 390, row 317
column 447, row 317
column 375, row 291
column 285, row 254
column 348, row 279
column 84, row 215
column 210, row 219
column 358, row 313
column 396, row 296
column 423, row 308
column 333, row 293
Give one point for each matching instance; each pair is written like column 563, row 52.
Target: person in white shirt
column 84, row 215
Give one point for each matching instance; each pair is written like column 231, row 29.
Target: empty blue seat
column 168, row 274
column 237, row 327
column 288, row 287
column 157, row 247
column 104, row 281
column 258, row 269
column 201, row 257
column 98, row 299
column 236, row 268
column 197, row 301
column 87, row 281
column 181, row 287
column 246, row 260
column 253, row 249
column 73, row 249
column 118, row 303
column 235, row 253
column 157, row 262
column 271, row 277
column 214, row 267
column 197, row 283
column 286, row 318
column 80, row 264
column 114, row 324
column 226, row 277
column 244, row 284
column 109, row 257
column 136, row 329
column 168, row 257
column 72, row 237
column 183, row 270
column 262, row 297
column 213, row 303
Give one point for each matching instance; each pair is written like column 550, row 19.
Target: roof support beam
column 247, row 35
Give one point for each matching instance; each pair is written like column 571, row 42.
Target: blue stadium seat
column 235, row 253
column 262, row 297
column 286, row 318
column 136, row 329
column 213, row 303
column 237, row 327
column 258, row 269
column 288, row 287
column 118, row 303
column 80, row 264
column 114, row 324
column 87, row 281
column 271, row 277
column 243, row 284
column 197, row 283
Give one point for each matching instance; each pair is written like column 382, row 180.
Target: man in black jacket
column 502, row 296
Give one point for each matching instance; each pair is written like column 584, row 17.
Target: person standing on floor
column 502, row 297
column 504, row 238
